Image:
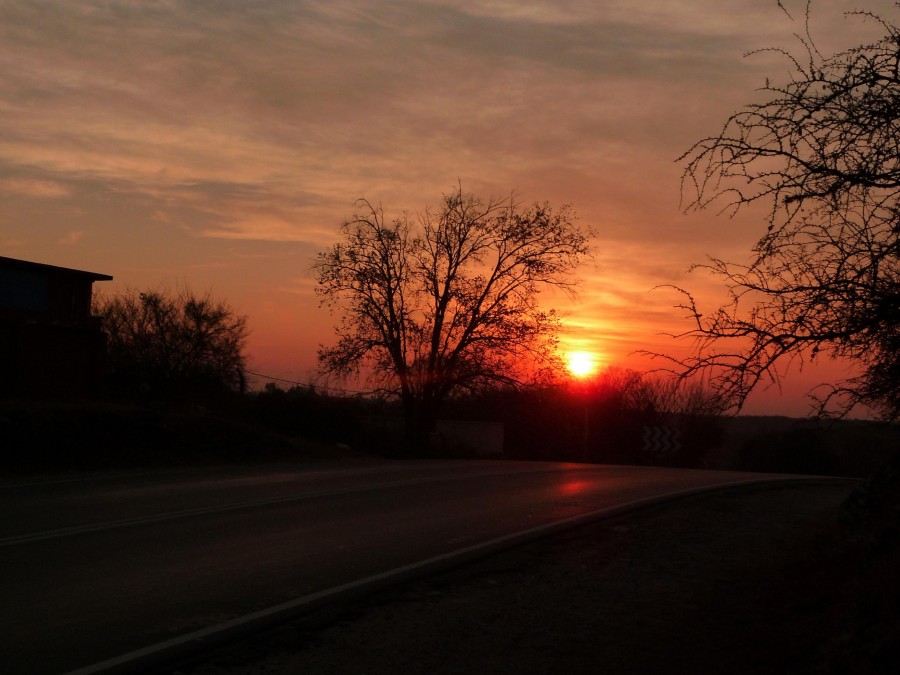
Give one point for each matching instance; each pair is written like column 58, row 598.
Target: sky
column 218, row 145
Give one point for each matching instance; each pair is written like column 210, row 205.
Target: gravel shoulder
column 751, row 580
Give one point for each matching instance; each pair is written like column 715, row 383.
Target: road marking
column 157, row 655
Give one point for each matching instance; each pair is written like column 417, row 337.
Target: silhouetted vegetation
column 616, row 418
column 793, row 451
column 163, row 346
column 446, row 303
column 303, row 411
column 56, row 437
column 603, row 420
column 620, row 416
column 820, row 151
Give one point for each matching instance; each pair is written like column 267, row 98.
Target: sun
column 581, row 364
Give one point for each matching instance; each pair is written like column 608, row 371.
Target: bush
column 172, row 346
column 802, row 450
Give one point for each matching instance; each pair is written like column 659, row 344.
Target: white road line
column 191, row 643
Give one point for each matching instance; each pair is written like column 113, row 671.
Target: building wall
column 29, row 294
column 50, row 345
column 45, row 360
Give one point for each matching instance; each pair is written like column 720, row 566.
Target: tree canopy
column 162, row 344
column 447, row 301
column 822, row 151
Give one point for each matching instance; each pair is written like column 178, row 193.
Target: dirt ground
column 744, row 581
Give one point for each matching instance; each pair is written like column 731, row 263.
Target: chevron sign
column 661, row 441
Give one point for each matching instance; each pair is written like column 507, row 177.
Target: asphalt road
column 96, row 567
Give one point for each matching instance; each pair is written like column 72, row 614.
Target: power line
column 306, row 384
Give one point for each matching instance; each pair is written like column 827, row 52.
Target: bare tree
column 162, row 344
column 446, row 302
column 823, row 152
column 675, row 396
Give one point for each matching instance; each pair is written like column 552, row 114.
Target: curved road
column 97, row 567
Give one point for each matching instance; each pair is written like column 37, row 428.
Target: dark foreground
column 100, row 566
column 747, row 581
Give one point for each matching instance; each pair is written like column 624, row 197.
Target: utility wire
column 306, row 384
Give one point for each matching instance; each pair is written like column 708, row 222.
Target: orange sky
column 218, row 145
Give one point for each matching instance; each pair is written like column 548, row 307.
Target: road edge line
column 184, row 646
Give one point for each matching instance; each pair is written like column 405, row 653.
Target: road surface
column 97, row 567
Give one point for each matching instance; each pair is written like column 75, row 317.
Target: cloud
column 199, row 92
column 304, row 286
column 177, row 132
column 71, row 238
column 29, row 187
column 7, row 243
column 261, row 229
column 219, row 107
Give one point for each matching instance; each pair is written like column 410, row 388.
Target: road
column 99, row 566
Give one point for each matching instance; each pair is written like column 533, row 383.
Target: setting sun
column 581, row 364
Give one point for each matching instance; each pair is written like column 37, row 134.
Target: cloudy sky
column 218, row 144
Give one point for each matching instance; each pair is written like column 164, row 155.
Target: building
column 50, row 345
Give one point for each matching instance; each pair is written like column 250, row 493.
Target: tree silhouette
column 162, row 345
column 823, row 152
column 446, row 302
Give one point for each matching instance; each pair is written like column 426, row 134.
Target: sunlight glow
column 581, row 364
